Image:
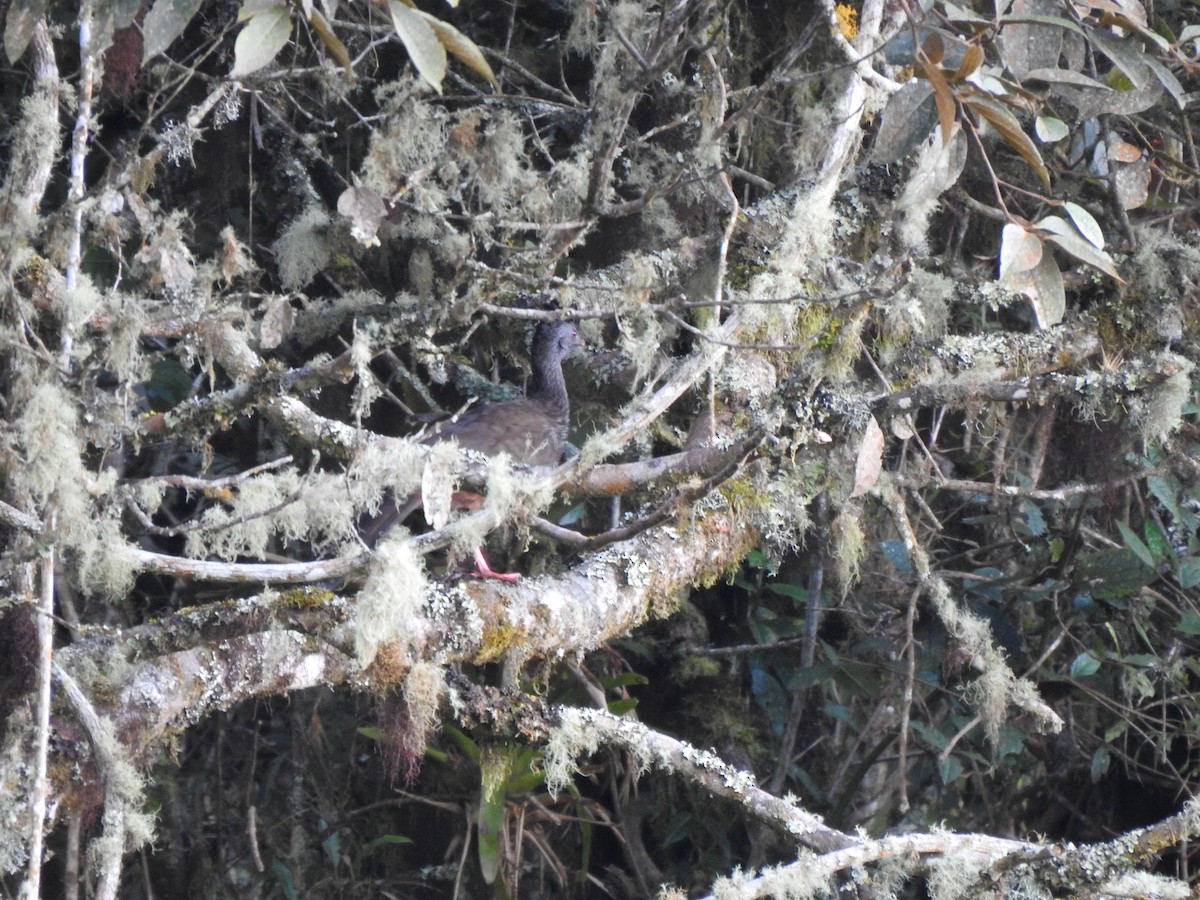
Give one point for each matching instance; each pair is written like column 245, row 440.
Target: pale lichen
column 304, row 248
column 390, row 603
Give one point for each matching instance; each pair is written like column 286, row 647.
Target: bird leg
column 484, row 570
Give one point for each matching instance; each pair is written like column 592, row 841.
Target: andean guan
column 531, row 431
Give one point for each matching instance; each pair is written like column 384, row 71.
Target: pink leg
column 484, row 570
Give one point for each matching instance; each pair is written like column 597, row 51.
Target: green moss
column 817, row 324
column 741, row 275
column 740, row 491
column 305, row 597
column 495, row 643
column 696, row 667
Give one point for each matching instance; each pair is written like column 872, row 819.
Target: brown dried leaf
column 870, row 459
column 1043, row 285
column 276, row 324
column 1020, row 250
column 1010, row 129
column 332, row 42
column 233, row 259
column 462, row 47
column 366, row 211
column 1132, row 183
column 971, row 61
column 943, row 96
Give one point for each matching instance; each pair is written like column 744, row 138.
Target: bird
column 532, row 430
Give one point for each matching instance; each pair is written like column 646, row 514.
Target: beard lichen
column 390, row 603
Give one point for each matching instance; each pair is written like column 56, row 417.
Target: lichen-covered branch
column 997, row 685
column 581, row 732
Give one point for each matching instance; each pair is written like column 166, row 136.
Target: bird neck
column 548, row 385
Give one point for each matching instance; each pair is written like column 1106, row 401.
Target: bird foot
column 484, row 570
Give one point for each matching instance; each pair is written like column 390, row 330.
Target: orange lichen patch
column 847, row 17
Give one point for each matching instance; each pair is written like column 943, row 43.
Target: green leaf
column 625, row 679
column 949, row 769
column 1065, row 76
column 573, row 516
column 956, row 13
column 831, row 653
column 935, row 738
column 251, row 8
column 1145, row 660
column 1156, row 541
column 260, row 41
column 1086, row 224
column 843, row 714
column 464, row 743
column 1101, row 760
column 1050, row 130
column 1125, row 54
column 494, row 767
column 166, row 21
column 1035, row 522
column 1061, row 233
column 908, row 118
column 419, row 39
column 1189, row 573
column 1112, row 574
column 19, row 25
column 795, row 592
column 1134, row 543
column 383, row 841
column 332, row 846
column 1084, row 665
column 762, row 634
column 526, row 780
column 858, row 679
column 897, row 555
column 620, row 707
column 1115, row 730
column 1166, row 492
column 678, row 828
column 286, row 881
column 1168, row 80
column 1189, row 622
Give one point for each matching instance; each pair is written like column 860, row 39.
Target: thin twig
column 1060, row 494
column 666, row 509
column 79, row 149
column 202, row 483
column 40, row 789
column 910, row 677
column 100, row 734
